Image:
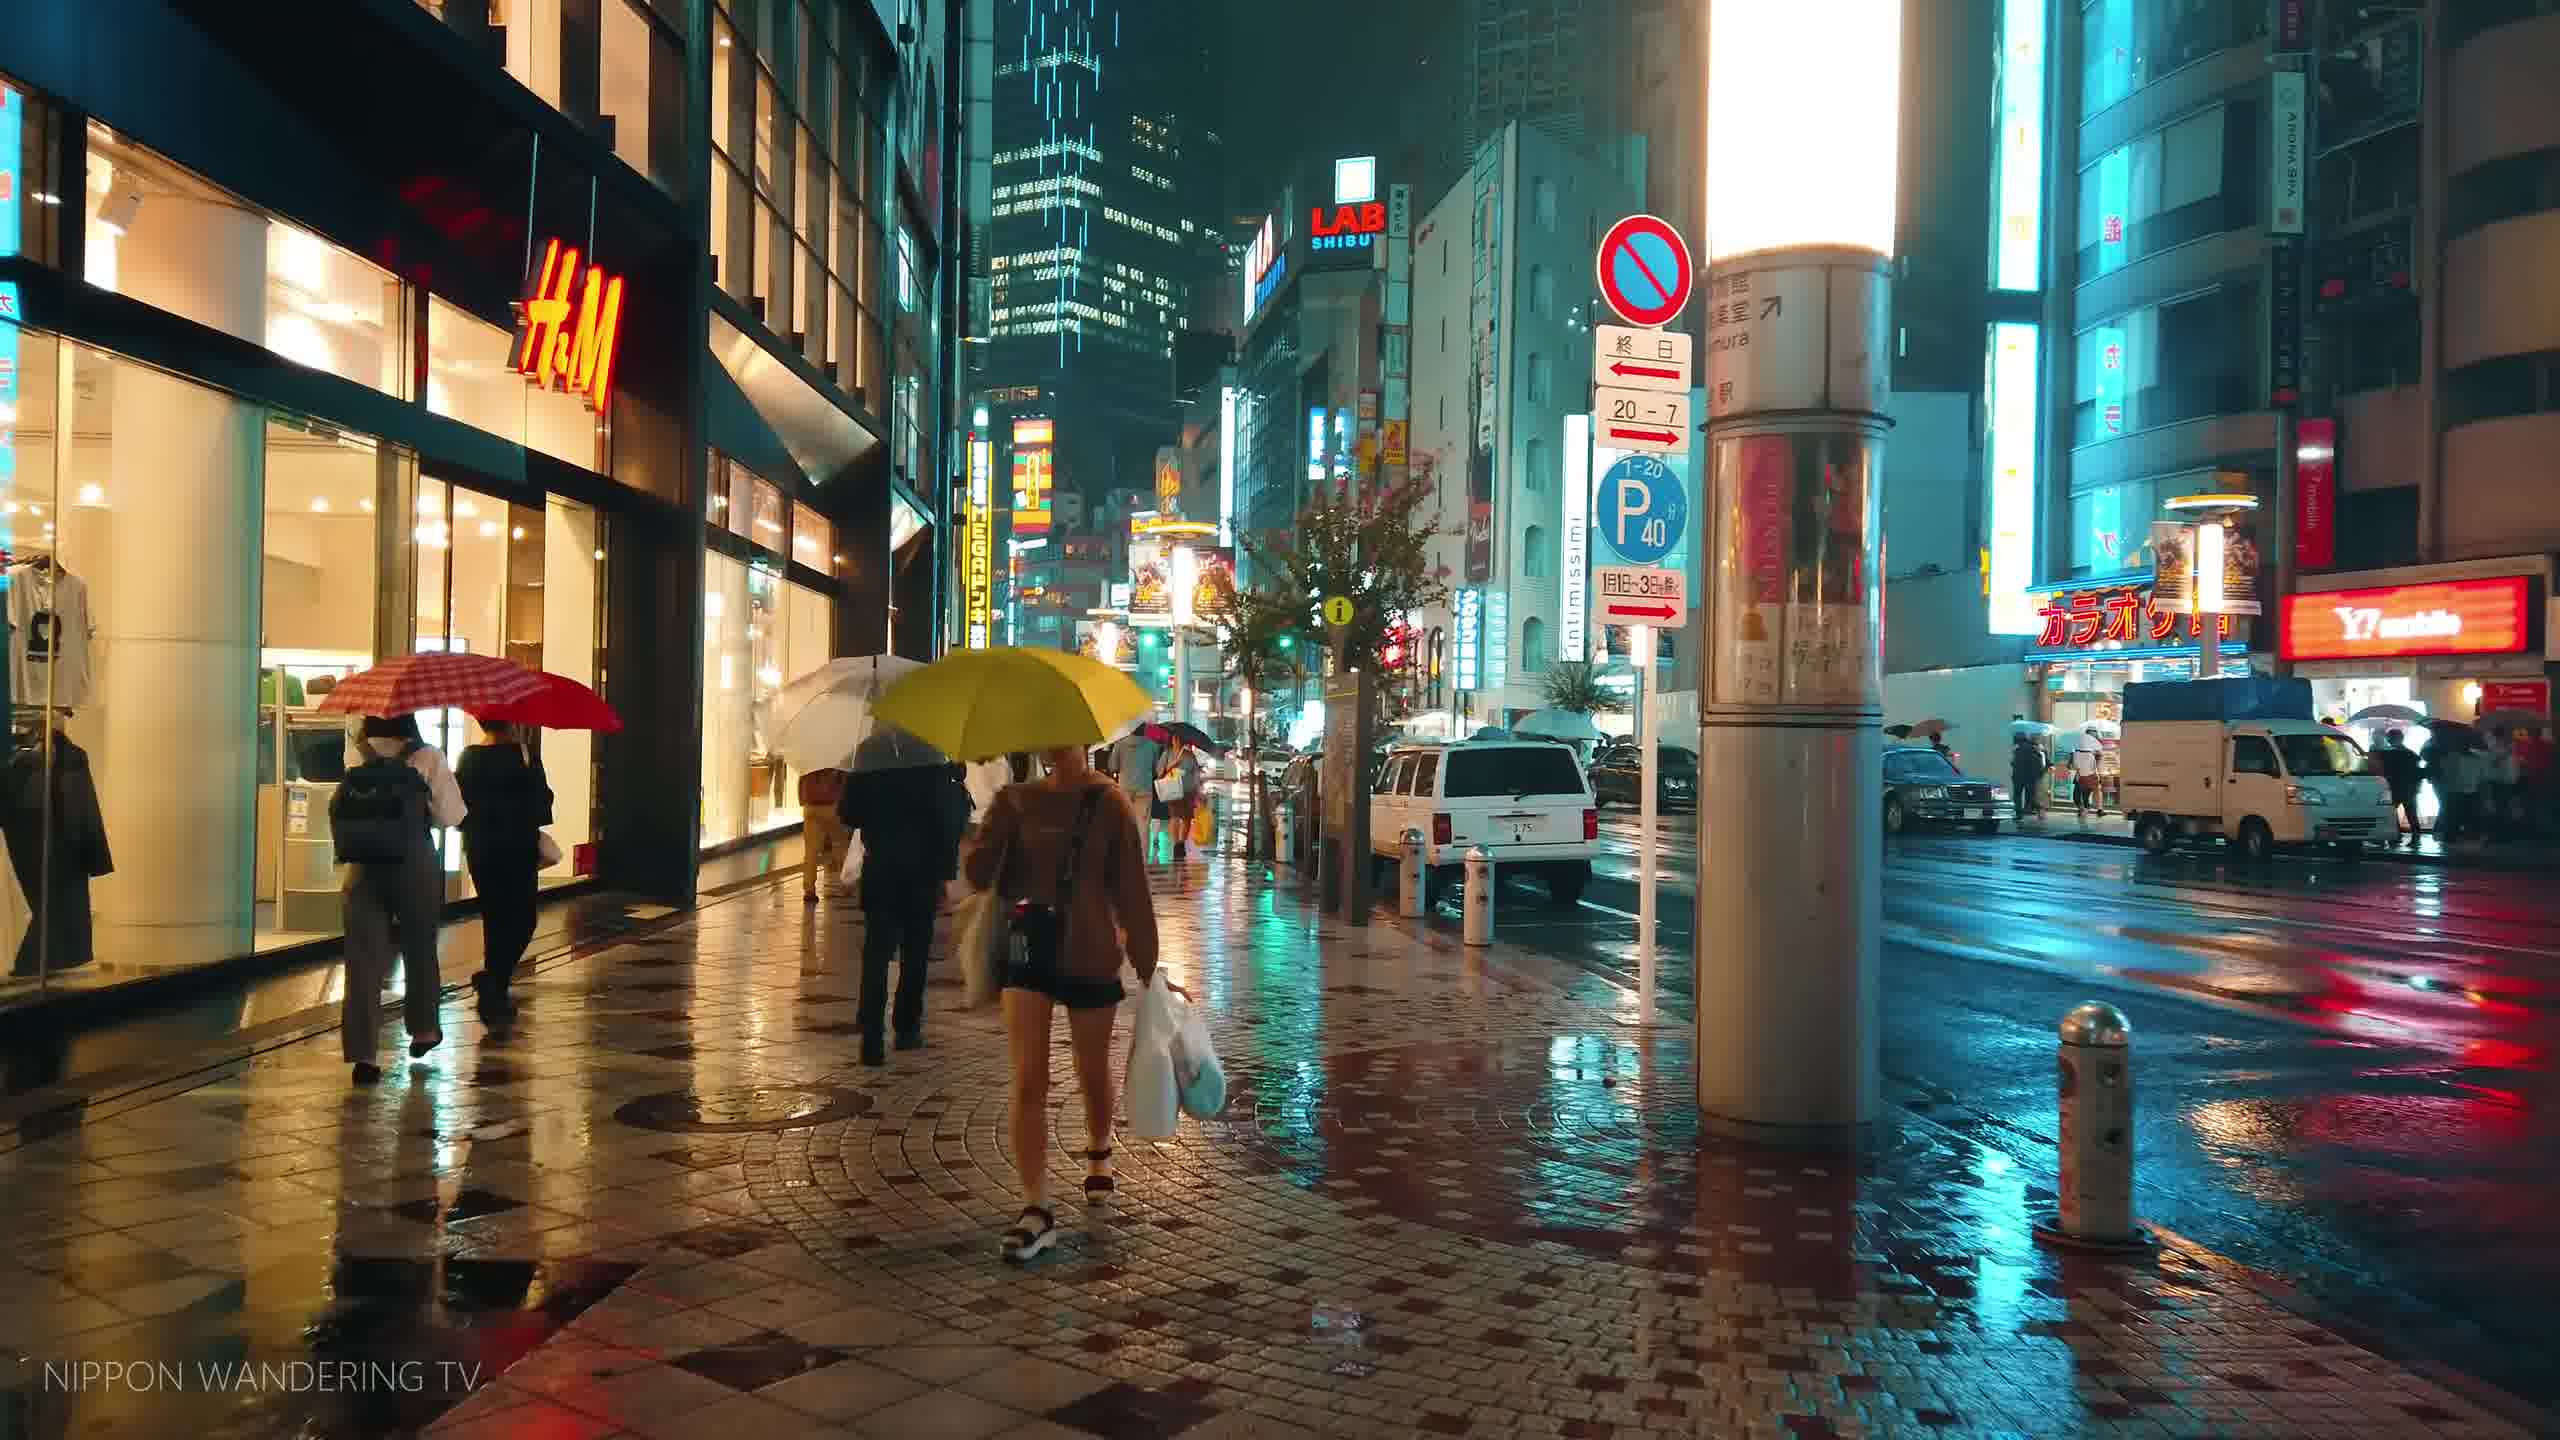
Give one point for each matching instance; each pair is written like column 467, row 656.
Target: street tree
column 1373, row 550
column 1575, row 686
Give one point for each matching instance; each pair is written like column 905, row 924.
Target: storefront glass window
column 159, row 234
column 470, row 378
column 2110, row 526
column 136, row 848
column 770, row 529
column 635, row 55
column 32, row 198
column 813, row 541
column 727, row 694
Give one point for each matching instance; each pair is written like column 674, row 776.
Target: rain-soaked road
column 2344, row 1071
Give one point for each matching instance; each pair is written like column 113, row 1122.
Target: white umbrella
column 2395, row 714
column 1557, row 725
column 824, row 714
column 2029, row 727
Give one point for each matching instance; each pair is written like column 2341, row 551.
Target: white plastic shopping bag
column 1154, row 1105
column 851, row 874
column 1197, row 1076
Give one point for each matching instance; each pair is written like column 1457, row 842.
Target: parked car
column 1525, row 801
column 1617, row 774
column 1923, row 787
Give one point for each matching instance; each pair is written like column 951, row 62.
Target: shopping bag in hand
column 851, row 874
column 978, row 940
column 1154, row 1106
column 1198, row 1078
column 1204, row 822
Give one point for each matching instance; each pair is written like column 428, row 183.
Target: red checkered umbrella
column 438, row 680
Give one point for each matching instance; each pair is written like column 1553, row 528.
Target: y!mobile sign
column 2451, row 617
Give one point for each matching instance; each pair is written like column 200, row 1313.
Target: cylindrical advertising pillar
column 1803, row 106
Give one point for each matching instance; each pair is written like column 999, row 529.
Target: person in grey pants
column 398, row 910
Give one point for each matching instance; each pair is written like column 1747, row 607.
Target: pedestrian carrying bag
column 1036, row 938
column 1154, row 1093
column 379, row 815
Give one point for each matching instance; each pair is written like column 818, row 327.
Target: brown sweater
column 1026, row 831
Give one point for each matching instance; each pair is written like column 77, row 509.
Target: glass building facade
column 290, row 385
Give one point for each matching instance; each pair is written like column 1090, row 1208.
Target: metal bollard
column 2094, row 1074
column 1480, row 883
column 1409, row 886
column 1285, row 826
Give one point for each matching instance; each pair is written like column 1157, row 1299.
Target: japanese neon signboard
column 2448, row 617
column 2114, row 617
column 1032, row 476
column 569, row 325
column 978, row 548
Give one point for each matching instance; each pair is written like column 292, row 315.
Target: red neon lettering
column 2163, row 623
column 2122, row 606
column 2085, row 617
column 2055, row 618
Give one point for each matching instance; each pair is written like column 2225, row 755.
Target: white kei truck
column 2242, row 760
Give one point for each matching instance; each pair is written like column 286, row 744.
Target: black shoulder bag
column 1038, row 936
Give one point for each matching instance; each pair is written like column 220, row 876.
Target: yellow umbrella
column 975, row 704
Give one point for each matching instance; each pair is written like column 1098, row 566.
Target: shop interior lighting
column 119, row 209
column 2233, row 501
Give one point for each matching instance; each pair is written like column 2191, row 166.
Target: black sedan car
column 1617, row 775
column 1923, row 787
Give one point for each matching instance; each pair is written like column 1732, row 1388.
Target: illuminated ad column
column 1800, row 209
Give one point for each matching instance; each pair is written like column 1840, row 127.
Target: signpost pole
column 1649, row 778
column 1789, row 919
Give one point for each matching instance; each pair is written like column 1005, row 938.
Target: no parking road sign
column 1645, row 272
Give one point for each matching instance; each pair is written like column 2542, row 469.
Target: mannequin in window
column 56, row 850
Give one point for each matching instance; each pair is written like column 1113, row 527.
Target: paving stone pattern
column 1453, row 1192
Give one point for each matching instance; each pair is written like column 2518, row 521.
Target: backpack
column 379, row 815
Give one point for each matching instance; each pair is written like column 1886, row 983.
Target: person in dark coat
column 509, row 801
column 68, row 832
column 911, row 807
column 2400, row 771
column 2026, row 768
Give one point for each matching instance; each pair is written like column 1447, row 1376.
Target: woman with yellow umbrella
column 1065, row 849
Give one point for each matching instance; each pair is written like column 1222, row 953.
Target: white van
column 2258, row 783
column 1526, row 802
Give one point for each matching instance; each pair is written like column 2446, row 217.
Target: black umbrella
column 1186, row 732
column 2454, row 732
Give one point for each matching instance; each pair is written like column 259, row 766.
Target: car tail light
column 1439, row 829
column 1590, row 824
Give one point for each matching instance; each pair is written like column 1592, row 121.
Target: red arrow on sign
column 1652, row 612
column 1621, row 367
column 1662, row 437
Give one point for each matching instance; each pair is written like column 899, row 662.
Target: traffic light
column 1288, row 642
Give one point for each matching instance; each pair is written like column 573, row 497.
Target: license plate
column 1984, row 813
column 1523, row 829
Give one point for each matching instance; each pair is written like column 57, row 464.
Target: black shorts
column 1073, row 991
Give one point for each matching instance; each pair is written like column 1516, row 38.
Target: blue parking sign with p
column 1643, row 510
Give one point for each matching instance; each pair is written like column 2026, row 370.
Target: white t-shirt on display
column 50, row 648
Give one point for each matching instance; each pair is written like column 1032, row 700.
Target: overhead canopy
column 817, row 434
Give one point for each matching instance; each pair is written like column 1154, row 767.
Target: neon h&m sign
column 568, row 326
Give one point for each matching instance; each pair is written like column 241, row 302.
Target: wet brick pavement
column 1453, row 1193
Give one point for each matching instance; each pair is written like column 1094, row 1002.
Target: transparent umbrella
column 824, row 714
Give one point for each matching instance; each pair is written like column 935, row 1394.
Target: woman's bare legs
column 1089, row 1032
column 1026, row 1029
